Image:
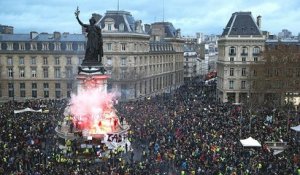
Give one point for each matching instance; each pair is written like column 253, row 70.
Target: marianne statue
column 94, row 47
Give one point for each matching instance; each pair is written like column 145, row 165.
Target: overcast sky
column 191, row 16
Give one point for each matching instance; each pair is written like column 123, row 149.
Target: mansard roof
column 119, row 17
column 42, row 37
column 168, row 28
column 241, row 23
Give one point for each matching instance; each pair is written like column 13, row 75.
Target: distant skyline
column 191, row 16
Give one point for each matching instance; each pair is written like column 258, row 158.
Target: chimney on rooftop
column 258, row 21
column 56, row 35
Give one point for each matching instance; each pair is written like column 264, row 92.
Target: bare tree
column 277, row 76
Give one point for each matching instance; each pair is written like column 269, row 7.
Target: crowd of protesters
column 185, row 132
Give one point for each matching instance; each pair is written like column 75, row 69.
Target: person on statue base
column 94, row 47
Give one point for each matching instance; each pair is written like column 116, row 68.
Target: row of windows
column 34, row 86
column 57, row 72
column 142, row 60
column 243, row 73
column 231, row 84
column 58, row 93
column 287, row 72
column 42, row 46
column 164, row 47
column 244, row 59
column 244, row 51
column 34, row 91
column 57, row 60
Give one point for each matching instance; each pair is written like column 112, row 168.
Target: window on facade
column 231, row 59
column 232, row 50
column 69, row 46
column 21, row 60
column 57, row 72
column 10, row 72
column 57, row 85
column 135, row 46
column 109, row 61
column 57, row 93
column 46, row 93
column 243, row 84
column 256, row 50
column 80, row 47
column 121, row 27
column 22, row 90
column 45, row 60
column 33, row 72
column 123, row 46
column 69, row 60
column 10, row 61
column 34, row 90
column 34, row 86
column 45, row 46
column 276, row 71
column 255, row 59
column 56, row 60
column 33, row 46
column 254, row 72
column 243, row 71
column 244, row 51
column 10, row 89
column 46, row 85
column 243, row 59
column 109, row 46
column 45, row 72
column 69, row 86
column 123, row 61
column 22, row 72
column 10, row 46
column 231, row 73
column 231, row 84
column 289, row 72
column 22, row 85
column 21, row 46
column 123, row 72
column 69, row 72
column 80, row 59
column 109, row 27
column 33, row 60
column 141, row 60
column 57, row 46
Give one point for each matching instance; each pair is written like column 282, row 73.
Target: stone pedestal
column 91, row 78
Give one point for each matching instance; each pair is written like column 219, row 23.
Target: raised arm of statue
column 77, row 17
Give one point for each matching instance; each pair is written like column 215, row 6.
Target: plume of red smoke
column 89, row 106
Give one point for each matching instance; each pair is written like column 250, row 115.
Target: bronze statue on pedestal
column 94, row 47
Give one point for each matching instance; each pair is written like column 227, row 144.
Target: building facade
column 239, row 46
column 39, row 65
column 140, row 63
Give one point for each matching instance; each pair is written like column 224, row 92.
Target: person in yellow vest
column 259, row 166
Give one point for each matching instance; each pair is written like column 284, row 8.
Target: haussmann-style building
column 240, row 46
column 141, row 62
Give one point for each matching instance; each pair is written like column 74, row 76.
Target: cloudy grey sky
column 191, row 16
